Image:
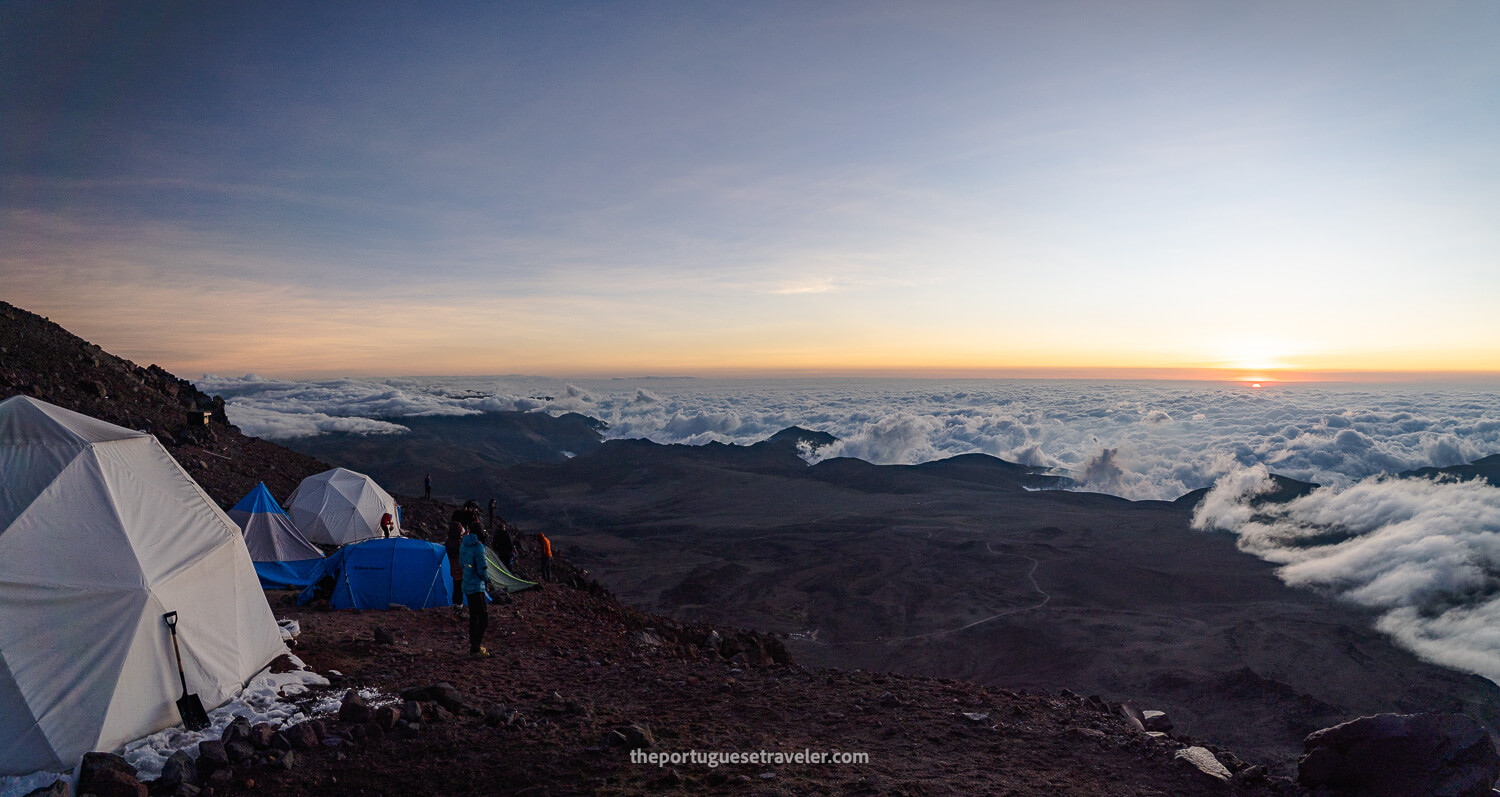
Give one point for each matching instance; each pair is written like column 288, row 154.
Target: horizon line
column 1281, row 376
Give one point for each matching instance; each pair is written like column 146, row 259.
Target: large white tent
column 337, row 507
column 101, row 534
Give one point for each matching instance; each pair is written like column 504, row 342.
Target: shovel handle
column 171, row 618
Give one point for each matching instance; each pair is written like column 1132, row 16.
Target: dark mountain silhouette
column 1487, row 468
column 465, row 454
column 1285, row 489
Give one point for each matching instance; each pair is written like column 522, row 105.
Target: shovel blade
column 194, row 718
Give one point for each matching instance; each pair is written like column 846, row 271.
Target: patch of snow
column 261, row 701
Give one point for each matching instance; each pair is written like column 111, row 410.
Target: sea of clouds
column 1138, row 439
column 1424, row 554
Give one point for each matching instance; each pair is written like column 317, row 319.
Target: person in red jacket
column 546, row 547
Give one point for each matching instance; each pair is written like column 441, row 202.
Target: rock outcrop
column 1402, row 755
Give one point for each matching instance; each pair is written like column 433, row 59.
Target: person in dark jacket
column 475, row 584
column 504, row 549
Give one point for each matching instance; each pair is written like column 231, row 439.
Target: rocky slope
column 41, row 359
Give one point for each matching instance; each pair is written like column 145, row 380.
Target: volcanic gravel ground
column 574, row 665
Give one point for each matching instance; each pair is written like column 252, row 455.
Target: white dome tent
column 339, row 506
column 101, row 534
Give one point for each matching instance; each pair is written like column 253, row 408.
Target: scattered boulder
column 238, row 730
column 94, row 762
column 1132, row 715
column 444, row 694
column 179, row 768
column 353, row 708
column 59, row 788
column 1401, row 755
column 212, row 757
column 384, row 637
column 239, row 752
column 634, row 736
column 385, row 718
column 303, row 736
column 1204, row 761
column 113, row 783
column 261, row 735
column 1156, row 721
column 108, row 775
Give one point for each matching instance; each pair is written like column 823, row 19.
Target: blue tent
column 283, row 558
column 374, row 574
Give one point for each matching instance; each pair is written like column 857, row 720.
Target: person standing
column 546, row 547
column 475, row 585
column 492, row 513
column 427, row 486
column 454, row 544
column 387, row 524
column 504, row 548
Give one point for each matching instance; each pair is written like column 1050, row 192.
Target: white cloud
column 1424, row 553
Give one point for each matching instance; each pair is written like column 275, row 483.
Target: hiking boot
column 482, row 653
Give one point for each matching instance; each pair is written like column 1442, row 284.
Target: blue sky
column 308, row 189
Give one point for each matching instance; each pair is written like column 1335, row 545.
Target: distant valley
column 969, row 567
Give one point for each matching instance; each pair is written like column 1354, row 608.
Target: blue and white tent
column 375, row 574
column 283, row 558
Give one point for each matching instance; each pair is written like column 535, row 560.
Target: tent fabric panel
column 327, row 567
column 273, row 538
column 286, row 575
column 65, row 649
column 439, row 581
column 28, row 469
column 24, row 747
column 71, row 535
column 377, row 573
column 147, row 687
column 170, row 523
column 28, row 421
column 258, row 502
column 499, row 578
column 224, row 625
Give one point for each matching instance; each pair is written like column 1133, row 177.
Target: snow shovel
column 194, row 718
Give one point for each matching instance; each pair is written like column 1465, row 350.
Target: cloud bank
column 1139, row 440
column 1423, row 553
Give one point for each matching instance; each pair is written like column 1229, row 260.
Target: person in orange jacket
column 546, row 546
